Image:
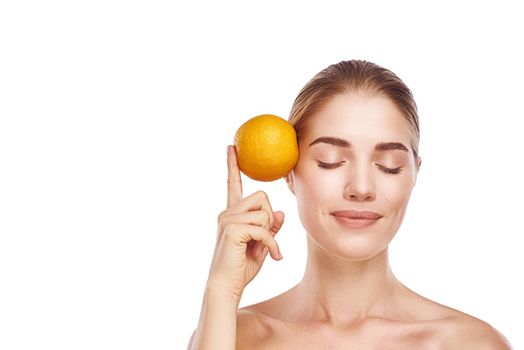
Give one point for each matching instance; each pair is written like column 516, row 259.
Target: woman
column 358, row 133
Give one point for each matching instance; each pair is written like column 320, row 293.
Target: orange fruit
column 266, row 147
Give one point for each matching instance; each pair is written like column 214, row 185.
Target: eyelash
column 336, row 165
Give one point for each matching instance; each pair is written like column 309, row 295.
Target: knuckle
column 262, row 194
column 265, row 235
column 264, row 198
column 221, row 225
column 269, row 217
column 222, row 216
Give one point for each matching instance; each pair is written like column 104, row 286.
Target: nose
column 359, row 184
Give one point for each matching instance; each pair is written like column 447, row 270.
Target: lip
column 354, row 214
column 356, row 219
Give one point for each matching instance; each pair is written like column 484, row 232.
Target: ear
column 419, row 163
column 290, row 181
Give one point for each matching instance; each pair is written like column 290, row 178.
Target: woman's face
column 354, row 176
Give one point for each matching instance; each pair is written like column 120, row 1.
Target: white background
column 115, row 117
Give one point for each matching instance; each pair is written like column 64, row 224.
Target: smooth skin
column 349, row 297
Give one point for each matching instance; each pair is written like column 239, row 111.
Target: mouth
column 354, row 223
column 354, row 214
column 356, row 219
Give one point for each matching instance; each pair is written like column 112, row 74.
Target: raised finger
column 234, row 181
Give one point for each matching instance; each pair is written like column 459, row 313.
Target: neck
column 342, row 291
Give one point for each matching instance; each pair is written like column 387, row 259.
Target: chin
column 359, row 249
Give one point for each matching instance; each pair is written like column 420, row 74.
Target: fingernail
column 229, row 150
column 280, row 256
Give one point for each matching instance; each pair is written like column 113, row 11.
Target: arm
column 218, row 322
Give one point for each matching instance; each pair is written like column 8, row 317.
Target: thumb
column 279, row 220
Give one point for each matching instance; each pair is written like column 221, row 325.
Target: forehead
column 359, row 118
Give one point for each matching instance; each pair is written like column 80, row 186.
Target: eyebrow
column 379, row 147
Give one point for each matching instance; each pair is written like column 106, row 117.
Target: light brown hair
column 355, row 76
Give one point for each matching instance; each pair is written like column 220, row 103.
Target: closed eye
column 329, row 165
column 336, row 165
column 391, row 170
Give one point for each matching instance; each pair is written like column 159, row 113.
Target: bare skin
column 413, row 322
column 348, row 297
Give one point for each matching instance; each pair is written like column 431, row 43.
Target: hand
column 246, row 231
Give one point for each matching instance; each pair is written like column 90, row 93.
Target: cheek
column 313, row 179
column 396, row 194
column 309, row 192
column 312, row 190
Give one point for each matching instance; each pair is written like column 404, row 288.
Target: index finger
column 234, row 181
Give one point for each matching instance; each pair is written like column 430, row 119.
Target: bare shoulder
column 253, row 329
column 259, row 325
column 464, row 331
